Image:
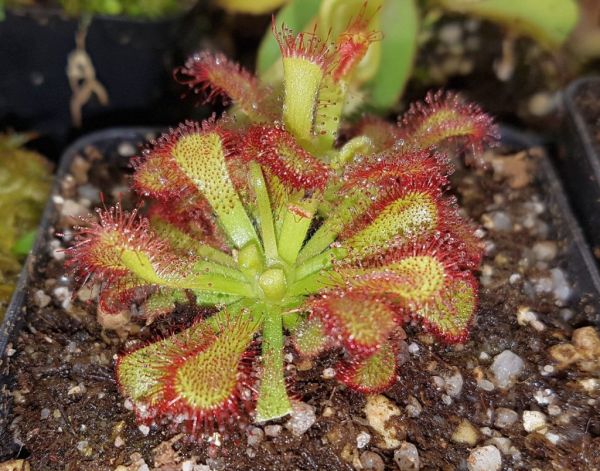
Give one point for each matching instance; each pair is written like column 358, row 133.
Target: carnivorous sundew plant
column 289, row 225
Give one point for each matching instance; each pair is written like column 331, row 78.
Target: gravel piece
column 454, row 384
column 362, row 440
column 451, row 33
column 502, row 443
column 485, row 385
column 273, row 430
column 255, row 436
column 533, row 420
column 414, row 407
column 328, row 373
column 303, row 416
column 506, row 368
column 41, row 299
column 499, row 221
column 485, row 458
column 560, row 285
column 372, row 461
column 379, row 409
column 545, row 250
column 505, row 417
column 465, row 433
column 587, row 340
column 63, row 296
column 407, row 457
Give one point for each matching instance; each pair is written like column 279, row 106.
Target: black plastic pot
column 581, row 268
column 579, row 160
column 133, row 60
column 108, row 143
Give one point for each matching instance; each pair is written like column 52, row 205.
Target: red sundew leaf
column 156, row 175
column 100, row 245
column 424, row 279
column 398, row 167
column 197, row 380
column 399, row 216
column 140, row 371
column 371, row 374
column 352, row 45
column 450, row 315
column 194, row 217
column 238, row 172
column 359, row 320
column 215, row 75
column 442, row 118
column 211, row 388
column 201, row 152
column 462, row 235
column 411, row 274
column 278, row 151
column 310, row 338
column 121, row 292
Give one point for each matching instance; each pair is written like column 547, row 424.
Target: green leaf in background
column 24, row 244
column 296, row 15
column 547, row 21
column 400, row 27
column 253, row 7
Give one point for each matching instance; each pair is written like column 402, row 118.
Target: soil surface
column 521, row 393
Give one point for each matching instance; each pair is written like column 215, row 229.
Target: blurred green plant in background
column 384, row 73
column 133, row 8
column 25, row 180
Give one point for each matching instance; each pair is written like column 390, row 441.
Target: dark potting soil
column 588, row 102
column 68, row 414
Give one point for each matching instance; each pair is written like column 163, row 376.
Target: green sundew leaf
column 329, row 112
column 295, row 226
column 411, row 215
column 448, row 316
column 301, row 82
column 273, row 401
column 371, row 374
column 25, row 243
column 342, row 214
column 400, row 27
column 140, row 372
column 162, row 302
column 209, row 379
column 413, row 279
column 361, row 321
column 296, row 15
column 140, row 264
column 547, row 21
column 204, row 298
column 310, row 338
column 201, row 156
column 182, row 241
